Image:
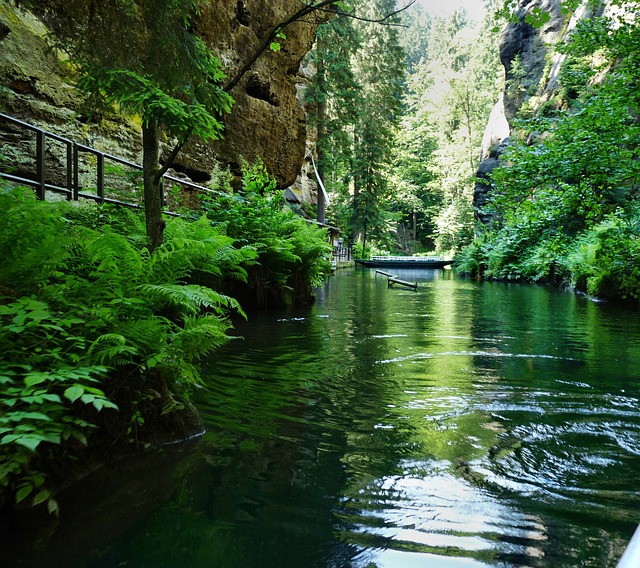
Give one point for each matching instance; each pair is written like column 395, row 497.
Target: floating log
column 393, row 280
column 387, row 274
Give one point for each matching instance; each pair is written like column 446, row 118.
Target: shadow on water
column 460, row 424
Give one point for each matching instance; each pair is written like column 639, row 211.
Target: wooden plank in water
column 393, row 280
column 388, row 274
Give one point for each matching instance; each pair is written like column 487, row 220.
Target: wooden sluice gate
column 387, row 274
column 392, row 281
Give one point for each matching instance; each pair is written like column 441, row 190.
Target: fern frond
column 115, row 258
column 200, row 335
column 149, row 334
column 112, row 349
column 190, row 299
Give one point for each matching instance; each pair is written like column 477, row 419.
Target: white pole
column 631, row 556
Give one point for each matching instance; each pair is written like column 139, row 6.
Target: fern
column 113, row 255
column 103, row 307
column 189, row 300
column 29, row 243
column 112, row 349
column 200, row 336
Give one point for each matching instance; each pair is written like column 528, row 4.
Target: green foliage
column 566, row 207
column 454, row 225
column 159, row 68
column 275, row 45
column 141, row 96
column 397, row 149
column 91, row 323
column 356, row 104
column 449, row 94
column 604, row 260
column 292, row 254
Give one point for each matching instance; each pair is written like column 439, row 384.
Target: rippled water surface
column 460, row 425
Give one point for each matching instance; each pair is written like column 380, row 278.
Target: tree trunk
column 364, row 239
column 415, row 226
column 153, row 196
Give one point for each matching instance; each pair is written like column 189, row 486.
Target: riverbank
column 100, row 340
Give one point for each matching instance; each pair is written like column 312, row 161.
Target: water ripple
column 497, row 354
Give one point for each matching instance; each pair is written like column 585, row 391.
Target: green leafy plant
column 98, row 335
column 565, row 208
column 292, row 254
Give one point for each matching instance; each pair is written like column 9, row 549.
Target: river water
column 463, row 424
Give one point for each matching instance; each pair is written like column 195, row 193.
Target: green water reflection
column 463, row 424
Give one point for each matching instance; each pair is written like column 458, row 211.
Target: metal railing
column 342, row 253
column 72, row 188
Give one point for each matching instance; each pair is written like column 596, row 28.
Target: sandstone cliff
column 267, row 120
column 531, row 78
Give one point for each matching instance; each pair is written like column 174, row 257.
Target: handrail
column 72, row 190
column 409, row 259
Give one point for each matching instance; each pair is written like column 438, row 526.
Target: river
column 463, row 424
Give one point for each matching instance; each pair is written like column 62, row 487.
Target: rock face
column 525, row 53
column 531, row 72
column 267, row 120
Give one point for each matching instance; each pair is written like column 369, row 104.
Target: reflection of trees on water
column 460, row 420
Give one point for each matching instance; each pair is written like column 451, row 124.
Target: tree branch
column 375, row 21
column 174, row 154
column 322, row 6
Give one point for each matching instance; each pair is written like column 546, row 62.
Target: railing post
column 69, row 170
column 76, row 174
column 101, row 177
column 40, row 169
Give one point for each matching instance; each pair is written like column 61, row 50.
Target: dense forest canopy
column 399, row 111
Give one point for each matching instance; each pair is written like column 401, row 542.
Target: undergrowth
column 100, row 338
column 97, row 335
column 293, row 254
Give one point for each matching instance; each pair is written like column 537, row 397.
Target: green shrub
column 293, row 254
column 97, row 332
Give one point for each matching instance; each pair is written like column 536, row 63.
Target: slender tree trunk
column 364, row 239
column 153, row 196
column 357, row 232
column 322, row 113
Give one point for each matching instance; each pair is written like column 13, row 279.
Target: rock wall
column 267, row 120
column 531, row 78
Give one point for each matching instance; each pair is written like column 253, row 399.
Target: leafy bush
column 293, row 254
column 605, row 261
column 472, row 260
column 566, row 208
column 91, row 323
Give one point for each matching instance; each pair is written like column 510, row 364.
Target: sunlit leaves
column 142, row 96
column 567, row 204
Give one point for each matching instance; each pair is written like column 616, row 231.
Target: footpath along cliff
column 267, row 120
